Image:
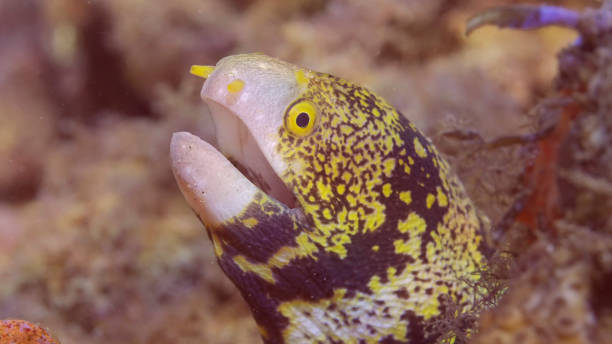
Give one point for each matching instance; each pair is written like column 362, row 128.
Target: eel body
column 336, row 218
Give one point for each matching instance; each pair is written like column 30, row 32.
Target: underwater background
column 97, row 243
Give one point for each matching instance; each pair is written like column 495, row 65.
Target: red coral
column 541, row 176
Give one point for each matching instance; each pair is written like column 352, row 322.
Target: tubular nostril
column 202, row 71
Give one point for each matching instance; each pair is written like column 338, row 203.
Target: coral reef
column 559, row 289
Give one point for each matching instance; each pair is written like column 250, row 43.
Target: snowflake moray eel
column 335, row 217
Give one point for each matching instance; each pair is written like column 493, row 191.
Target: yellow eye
column 301, row 117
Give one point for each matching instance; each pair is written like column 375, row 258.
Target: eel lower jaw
column 214, row 187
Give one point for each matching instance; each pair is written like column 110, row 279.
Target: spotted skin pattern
column 385, row 232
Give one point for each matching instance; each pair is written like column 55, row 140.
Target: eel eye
column 301, row 117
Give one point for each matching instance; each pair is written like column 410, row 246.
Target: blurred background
column 96, row 242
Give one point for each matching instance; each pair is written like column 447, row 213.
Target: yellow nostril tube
column 202, row 71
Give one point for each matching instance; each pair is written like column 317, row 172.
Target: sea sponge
column 24, row 332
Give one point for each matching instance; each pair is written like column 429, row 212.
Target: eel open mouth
column 247, row 96
column 220, row 179
column 237, row 144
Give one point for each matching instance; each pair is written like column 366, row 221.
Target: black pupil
column 302, row 120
